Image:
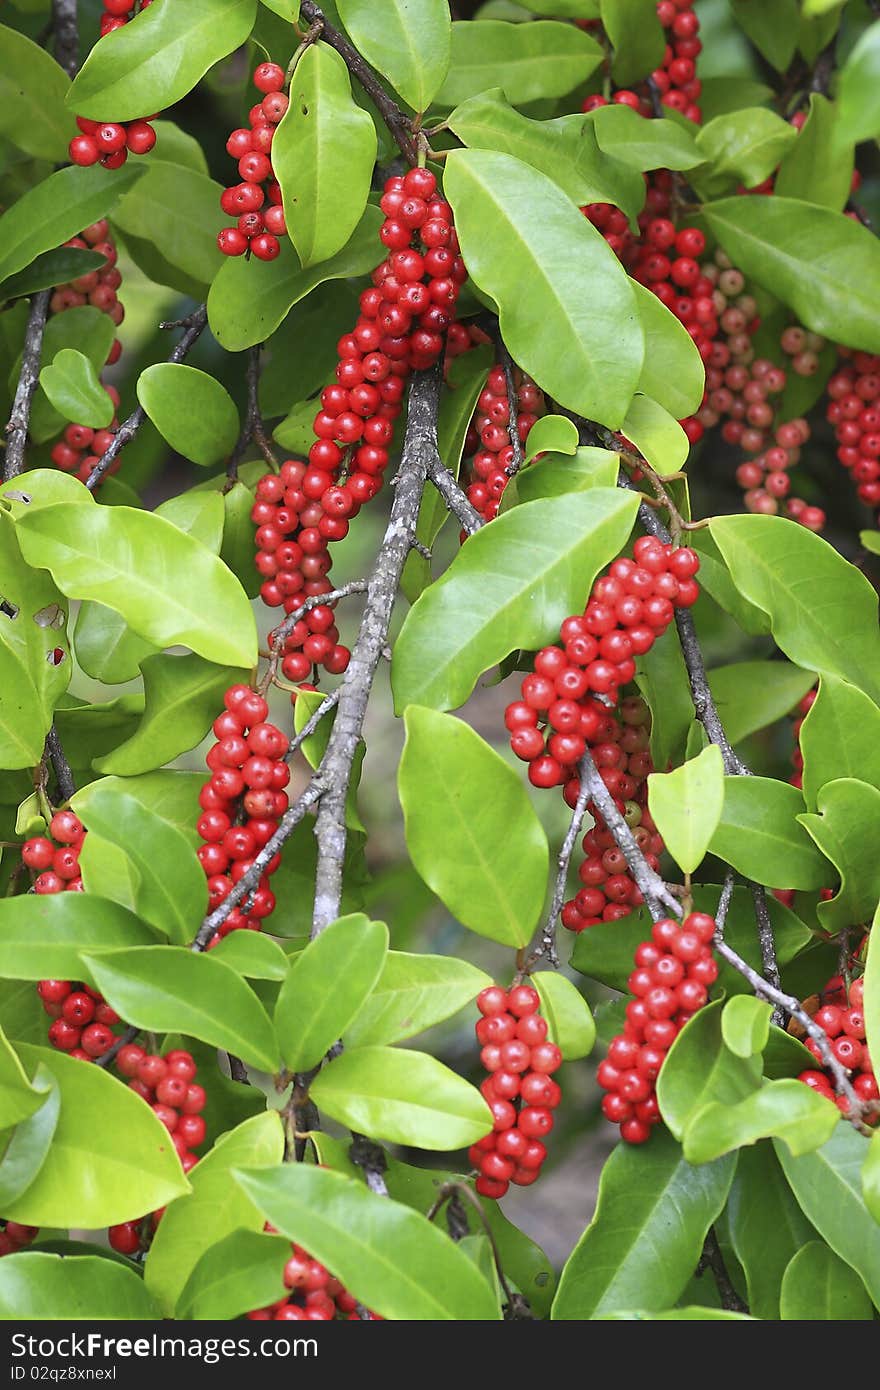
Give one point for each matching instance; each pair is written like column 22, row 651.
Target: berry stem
column 313, row 33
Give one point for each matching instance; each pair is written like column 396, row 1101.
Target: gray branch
column 455, row 499
column 28, row 378
column 547, row 945
column 60, row 765
column 64, row 23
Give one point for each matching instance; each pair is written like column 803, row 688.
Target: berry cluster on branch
column 255, row 202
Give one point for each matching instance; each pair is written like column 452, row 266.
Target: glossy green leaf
column 111, row 1159
column 643, row 1243
column 823, row 611
column 18, row 1097
column 846, row 831
column 656, row 434
column 72, row 386
column 32, row 91
column 551, row 432
column 157, row 59
column 745, row 1025
column 237, row 546
column 50, row 269
column 686, row 805
column 412, row 993
column 214, row 1208
column 636, row 36
column 700, row 1069
column 191, row 410
column 177, row 146
column 171, row 889
column 169, row 794
column 870, row 1178
column 301, row 354
column 471, row 831
column 41, row 935
column 408, row 41
column 88, row 331
column 818, row 167
column 818, row 1286
column 749, row 695
column 697, row 1313
column 542, row 59
column 177, row 989
column 840, row 737
column 388, row 1256
column 655, row 144
column 106, row 648
column 244, row 309
column 174, row 209
column 30, row 1141
column 570, row 1024
column 772, row 28
column 827, row 1185
column 673, row 376
column 324, row 142
column 58, row 208
column 241, row 1272
column 167, row 587
column 326, row 986
column 760, row 836
column 786, row 1110
column 402, row 1096
column 558, row 475
column 761, row 1201
column 858, row 91
column 745, row 145
column 108, row 871
column 566, row 309
column 510, row 587
column 252, row 954
column 39, row 1287
column 823, row 266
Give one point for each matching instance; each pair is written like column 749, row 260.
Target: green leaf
column 870, row 1178
column 759, row 834
column 846, row 832
column 745, row 145
column 169, row 794
column 786, row 1110
column 643, row 1243
column 167, row 587
column 174, row 209
column 697, row 1313
column 215, row 1207
column 672, row 374
column 509, row 587
column 772, row 28
column 656, row 434
column 654, row 144
column 402, row 1096
column 761, row 1201
column 636, row 36
column 471, row 831
column 41, row 935
column 557, row 475
column 90, row 332
column 153, row 62
column 750, row 695
column 389, row 1257
column 858, row 91
column 71, row 384
column 111, row 1159
column 840, row 737
column 252, row 954
column 178, row 147
column 176, row 989
column 827, row 1185
column 32, row 91
column 818, row 167
column 324, row 142
column 818, row 1286
column 567, row 312
column 822, row 610
column 183, row 696
column 700, row 1069
column 40, row 1287
column 50, row 269
column 569, row 1021
column 244, row 309
column 408, row 41
column 326, row 987
column 745, row 1025
column 108, row 872
column 413, row 993
column 191, row 411
column 551, row 432
column 18, row 1097
column 30, row 1141
column 530, row 61
column 171, row 892
column 106, row 648
column 241, row 1272
column 823, row 266
column 686, row 805
column 301, row 354
column 57, row 209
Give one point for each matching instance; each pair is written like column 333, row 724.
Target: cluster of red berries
column 55, row 860
column 119, row 12
column 670, row 982
column 854, row 411
column 676, row 78
column 83, row 1020
column 168, row 1085
column 259, row 223
column 110, row 142
column 315, row 1296
column 15, row 1237
column 242, row 803
column 519, row 1090
column 488, row 441
column 628, row 609
column 841, row 1015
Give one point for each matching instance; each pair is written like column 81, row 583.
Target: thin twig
column 64, row 22
column 122, row 1041
column 518, row 459
column 456, row 500
column 195, row 322
column 397, row 122
column 449, row 1191
column 766, row 940
column 713, row 1259
column 547, row 945
column 253, row 430
column 60, row 765
column 284, row 629
column 28, row 378
column 311, row 724
column 370, row 1158
column 420, row 446
column 724, row 902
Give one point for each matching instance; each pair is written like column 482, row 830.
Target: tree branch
column 253, row 430
column 420, row 446
column 547, row 945
column 20, row 418
column 60, row 765
column 311, row 724
column 396, row 120
column 64, row 23
column 455, row 499
column 713, row 1259
column 194, row 324
column 284, row 629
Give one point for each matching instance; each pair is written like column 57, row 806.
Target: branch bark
column 253, row 430
column 64, row 23
column 20, row 418
column 455, row 499
column 547, row 945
